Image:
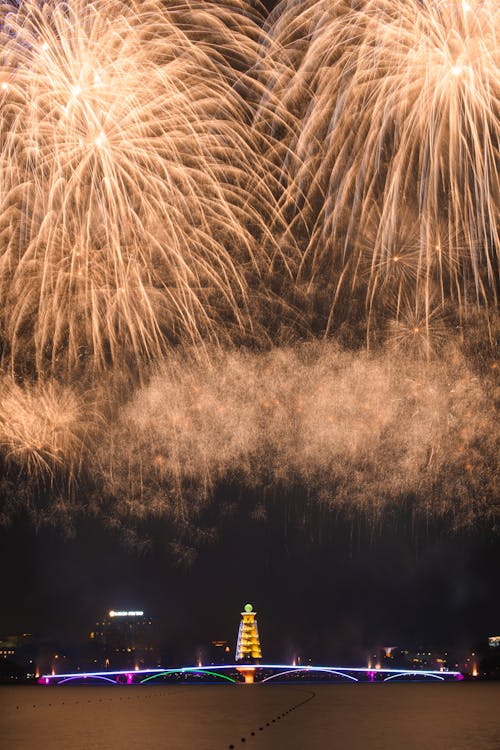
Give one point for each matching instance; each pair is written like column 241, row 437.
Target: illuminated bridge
column 245, row 673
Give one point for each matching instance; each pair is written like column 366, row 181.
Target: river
column 461, row 716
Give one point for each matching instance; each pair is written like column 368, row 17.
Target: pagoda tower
column 248, row 646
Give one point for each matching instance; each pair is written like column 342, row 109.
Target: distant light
column 457, row 70
column 75, row 90
column 4, row 86
column 126, row 613
column 466, row 7
column 248, row 608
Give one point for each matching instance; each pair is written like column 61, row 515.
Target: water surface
column 461, row 716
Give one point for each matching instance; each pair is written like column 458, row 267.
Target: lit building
column 248, row 645
column 494, row 641
column 21, row 650
column 125, row 638
column 219, row 652
column 418, row 658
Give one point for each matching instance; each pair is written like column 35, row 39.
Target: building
column 219, row 652
column 7, row 652
column 125, row 639
column 489, row 666
column 248, row 645
column 20, row 650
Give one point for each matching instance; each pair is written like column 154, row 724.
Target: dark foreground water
column 279, row 717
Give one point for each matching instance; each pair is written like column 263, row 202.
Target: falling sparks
column 391, row 130
column 357, row 431
column 189, row 193
column 43, row 429
column 126, row 169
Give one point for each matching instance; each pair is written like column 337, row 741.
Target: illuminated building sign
column 494, row 641
column 129, row 613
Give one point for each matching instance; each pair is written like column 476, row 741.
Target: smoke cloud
column 358, row 432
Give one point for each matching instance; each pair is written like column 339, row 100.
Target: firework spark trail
column 389, row 120
column 133, row 205
column 358, row 432
column 44, row 429
column 148, row 156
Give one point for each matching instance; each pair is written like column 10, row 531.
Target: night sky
column 330, row 589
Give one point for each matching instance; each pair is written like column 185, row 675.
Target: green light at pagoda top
column 248, row 608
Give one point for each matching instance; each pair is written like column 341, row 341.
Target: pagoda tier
column 248, row 645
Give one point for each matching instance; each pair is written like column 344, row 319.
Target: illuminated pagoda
column 248, row 645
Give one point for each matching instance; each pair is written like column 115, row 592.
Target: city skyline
column 444, row 593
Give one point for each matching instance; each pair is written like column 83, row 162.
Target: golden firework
column 390, row 127
column 129, row 217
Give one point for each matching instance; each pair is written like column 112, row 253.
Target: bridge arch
column 85, row 677
column 185, row 671
column 306, row 670
column 414, row 674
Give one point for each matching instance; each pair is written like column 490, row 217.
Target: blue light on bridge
column 264, row 673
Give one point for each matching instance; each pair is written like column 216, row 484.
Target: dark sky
column 327, row 589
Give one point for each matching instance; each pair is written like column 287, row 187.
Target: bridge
column 246, row 672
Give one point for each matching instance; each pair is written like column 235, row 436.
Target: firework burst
column 174, row 179
column 358, row 431
column 126, row 172
column 390, row 129
column 44, row 429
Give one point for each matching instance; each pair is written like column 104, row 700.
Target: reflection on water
column 278, row 717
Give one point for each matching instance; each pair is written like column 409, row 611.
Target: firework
column 355, row 432
column 128, row 220
column 176, row 180
column 44, row 429
column 390, row 132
